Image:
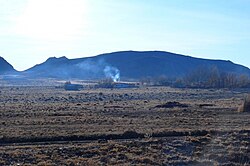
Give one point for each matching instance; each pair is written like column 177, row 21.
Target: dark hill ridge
column 131, row 64
column 52, row 67
column 155, row 63
column 5, row 67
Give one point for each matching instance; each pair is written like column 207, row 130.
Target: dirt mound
column 245, row 107
column 172, row 105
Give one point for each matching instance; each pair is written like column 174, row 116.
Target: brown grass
column 245, row 107
column 45, row 126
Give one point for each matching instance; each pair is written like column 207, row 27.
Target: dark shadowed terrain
column 130, row 64
column 5, row 67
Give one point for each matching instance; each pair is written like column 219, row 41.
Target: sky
column 31, row 31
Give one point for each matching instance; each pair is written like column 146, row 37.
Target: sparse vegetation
column 147, row 125
column 202, row 77
column 105, row 83
column 245, row 107
column 213, row 78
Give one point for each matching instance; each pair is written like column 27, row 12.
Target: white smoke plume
column 97, row 69
column 91, row 66
column 112, row 72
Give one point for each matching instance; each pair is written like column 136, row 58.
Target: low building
column 72, row 87
column 125, row 85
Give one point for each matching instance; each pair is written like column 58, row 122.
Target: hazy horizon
column 31, row 31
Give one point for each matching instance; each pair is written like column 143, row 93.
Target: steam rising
column 112, row 72
column 98, row 69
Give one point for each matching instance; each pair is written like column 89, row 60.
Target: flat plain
column 46, row 125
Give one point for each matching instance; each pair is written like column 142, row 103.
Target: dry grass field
column 141, row 126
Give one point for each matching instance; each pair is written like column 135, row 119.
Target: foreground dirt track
column 153, row 126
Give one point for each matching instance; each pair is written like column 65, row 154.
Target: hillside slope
column 5, row 67
column 130, row 65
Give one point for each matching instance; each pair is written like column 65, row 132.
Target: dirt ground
column 141, row 126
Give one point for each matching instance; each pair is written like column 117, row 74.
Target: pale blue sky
column 33, row 30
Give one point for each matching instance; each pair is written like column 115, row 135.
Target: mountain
column 156, row 63
column 130, row 65
column 5, row 67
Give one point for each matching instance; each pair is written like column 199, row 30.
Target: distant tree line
column 203, row 77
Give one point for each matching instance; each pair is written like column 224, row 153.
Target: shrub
column 245, row 107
